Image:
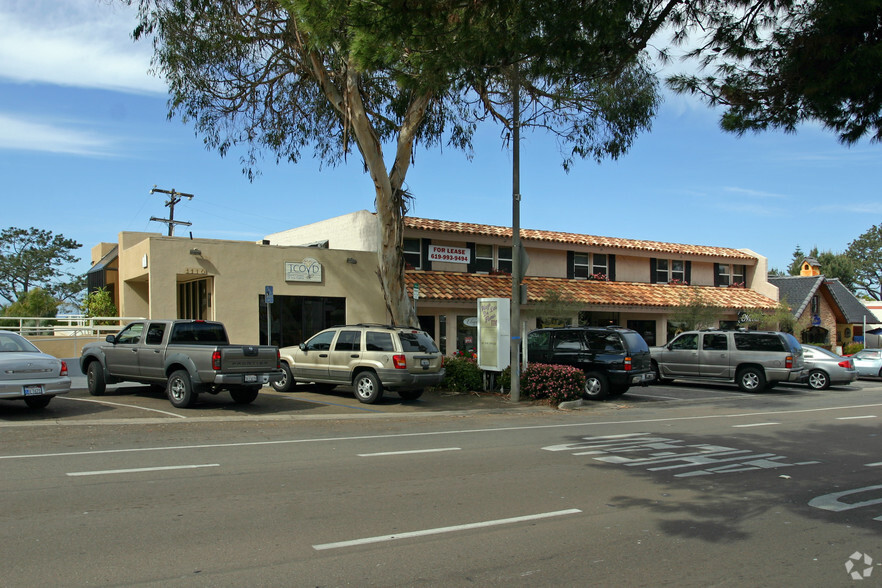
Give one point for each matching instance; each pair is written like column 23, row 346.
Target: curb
column 571, row 404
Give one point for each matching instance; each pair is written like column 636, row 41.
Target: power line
column 173, row 198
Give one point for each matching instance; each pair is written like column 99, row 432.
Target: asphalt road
column 671, row 485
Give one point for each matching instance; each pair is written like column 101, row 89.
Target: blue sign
column 269, row 294
column 816, row 320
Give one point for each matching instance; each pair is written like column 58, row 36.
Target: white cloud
column 752, row 193
column 81, row 43
column 23, row 135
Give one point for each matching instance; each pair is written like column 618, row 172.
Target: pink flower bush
column 554, row 383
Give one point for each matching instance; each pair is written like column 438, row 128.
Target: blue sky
column 84, row 136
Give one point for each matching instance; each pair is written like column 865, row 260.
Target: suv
column 755, row 360
column 370, row 358
column 612, row 358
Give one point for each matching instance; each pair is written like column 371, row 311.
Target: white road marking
column 139, row 470
column 440, row 530
column 616, row 423
column 409, row 452
column 180, row 416
column 867, row 416
column 873, row 465
column 755, row 425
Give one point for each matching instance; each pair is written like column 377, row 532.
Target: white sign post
column 494, row 333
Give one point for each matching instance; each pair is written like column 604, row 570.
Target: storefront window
column 467, row 334
column 589, row 318
column 646, row 330
column 297, row 318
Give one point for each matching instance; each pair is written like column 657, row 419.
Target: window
column 758, row 342
column 686, row 342
column 601, row 342
column 715, row 342
column 503, row 261
column 590, row 265
column 600, row 265
column 417, row 341
column 729, row 275
column 816, row 305
column 568, row 341
column 155, row 333
column 581, row 265
column 538, row 341
column 412, row 250
column 664, row 271
column 321, row 342
column 131, row 334
column 483, row 258
column 375, row 341
column 348, row 341
column 661, row 271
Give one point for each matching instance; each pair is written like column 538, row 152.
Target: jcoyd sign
column 308, row 270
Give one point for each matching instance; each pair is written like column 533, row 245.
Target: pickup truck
column 183, row 357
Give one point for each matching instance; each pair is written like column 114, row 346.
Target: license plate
column 424, row 363
column 250, row 379
column 33, row 390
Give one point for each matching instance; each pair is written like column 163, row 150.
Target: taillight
column 846, row 364
column 63, row 368
column 216, row 360
column 278, row 359
column 627, row 364
column 788, row 362
column 400, row 362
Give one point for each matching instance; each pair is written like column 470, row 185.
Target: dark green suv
column 613, row 358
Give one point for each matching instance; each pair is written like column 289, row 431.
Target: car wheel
column 287, row 381
column 37, row 401
column 95, row 379
column 818, row 380
column 410, row 394
column 244, row 395
column 751, row 379
column 658, row 378
column 596, row 386
column 368, row 388
column 180, row 389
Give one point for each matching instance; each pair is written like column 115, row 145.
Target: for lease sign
column 449, row 254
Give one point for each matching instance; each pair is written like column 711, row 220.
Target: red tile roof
column 463, row 287
column 424, row 224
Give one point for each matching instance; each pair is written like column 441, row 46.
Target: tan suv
column 755, row 360
column 370, row 358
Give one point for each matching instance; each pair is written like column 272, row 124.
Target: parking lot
column 131, row 401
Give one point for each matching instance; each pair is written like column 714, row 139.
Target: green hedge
column 554, row 383
column 461, row 374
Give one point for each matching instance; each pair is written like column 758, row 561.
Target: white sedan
column 28, row 374
column 868, row 362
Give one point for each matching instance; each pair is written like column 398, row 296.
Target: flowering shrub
column 555, row 383
column 598, row 277
column 470, row 354
column 678, row 282
column 461, row 374
column 737, row 285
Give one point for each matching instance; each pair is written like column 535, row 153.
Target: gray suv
column 370, row 358
column 755, row 360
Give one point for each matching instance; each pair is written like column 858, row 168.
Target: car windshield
column 417, row 341
column 10, row 342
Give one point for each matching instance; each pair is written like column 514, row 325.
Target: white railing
column 65, row 325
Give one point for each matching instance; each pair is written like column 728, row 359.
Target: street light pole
column 516, row 277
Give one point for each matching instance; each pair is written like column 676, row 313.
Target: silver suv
column 755, row 360
column 370, row 358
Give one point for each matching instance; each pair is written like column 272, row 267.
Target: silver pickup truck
column 183, row 357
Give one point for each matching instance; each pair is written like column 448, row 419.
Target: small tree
column 779, row 318
column 32, row 258
column 34, row 303
column 99, row 303
column 693, row 311
column 555, row 309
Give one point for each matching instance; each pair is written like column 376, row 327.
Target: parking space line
column 853, row 418
column 440, row 530
column 180, row 416
column 139, row 470
column 754, row 425
column 409, row 452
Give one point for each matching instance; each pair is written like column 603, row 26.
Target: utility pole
column 173, row 198
column 516, row 271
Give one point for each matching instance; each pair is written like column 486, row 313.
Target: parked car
column 28, row 374
column 868, row 362
column 754, row 360
column 370, row 358
column 826, row 369
column 612, row 358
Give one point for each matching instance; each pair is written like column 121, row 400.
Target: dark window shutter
column 571, row 259
column 688, row 273
column 611, row 268
column 716, row 274
column 471, row 266
column 653, row 266
column 424, row 249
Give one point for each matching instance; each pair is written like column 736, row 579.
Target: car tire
column 180, row 389
column 818, row 380
column 95, row 379
column 410, row 394
column 658, row 378
column 751, row 379
column 287, row 381
column 38, row 401
column 244, row 395
column 596, row 386
column 368, row 388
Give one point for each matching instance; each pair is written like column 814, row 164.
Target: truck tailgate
column 241, row 359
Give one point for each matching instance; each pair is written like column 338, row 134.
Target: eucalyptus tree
column 288, row 78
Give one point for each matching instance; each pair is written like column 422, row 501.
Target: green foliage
column 461, row 374
column 838, row 266
column 792, row 61
column 35, row 258
column 852, row 348
column 555, row 309
column 778, row 319
column 99, row 303
column 552, row 383
column 34, row 303
column 865, row 253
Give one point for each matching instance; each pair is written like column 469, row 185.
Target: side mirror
column 110, row 338
column 302, row 346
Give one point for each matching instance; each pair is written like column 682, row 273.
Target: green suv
column 370, row 358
